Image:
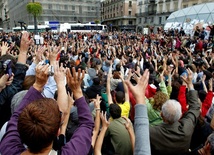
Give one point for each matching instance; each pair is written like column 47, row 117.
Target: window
column 152, row 19
column 145, row 20
column 130, row 3
column 49, row 6
column 73, row 7
column 130, row 13
column 139, row 21
column 160, row 20
column 185, row 6
column 65, row 7
column 130, row 22
column 89, row 8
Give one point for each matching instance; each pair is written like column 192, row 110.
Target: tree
column 97, row 22
column 34, row 8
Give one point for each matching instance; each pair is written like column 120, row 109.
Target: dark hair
column 115, row 111
column 202, row 95
column 120, row 97
column 96, row 81
column 38, row 124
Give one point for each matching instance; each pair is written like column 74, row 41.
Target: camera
column 51, row 71
column 50, row 68
column 7, row 67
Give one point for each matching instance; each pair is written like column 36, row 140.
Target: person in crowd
column 43, row 113
column 159, row 64
column 176, row 129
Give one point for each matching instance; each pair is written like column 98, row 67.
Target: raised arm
column 97, row 119
column 208, row 100
column 11, row 142
column 141, row 126
column 59, row 76
column 99, row 142
column 108, row 89
column 83, row 134
column 130, row 129
column 191, row 116
column 126, row 91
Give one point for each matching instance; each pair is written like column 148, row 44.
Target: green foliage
column 97, row 21
column 34, row 8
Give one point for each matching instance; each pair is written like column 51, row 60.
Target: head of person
column 171, row 111
column 39, row 123
column 159, row 99
column 115, row 111
column 120, row 97
column 209, row 145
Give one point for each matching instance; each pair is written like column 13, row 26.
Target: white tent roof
column 202, row 12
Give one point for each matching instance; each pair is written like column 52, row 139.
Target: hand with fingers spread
column 53, row 54
column 59, row 73
column 188, row 79
column 41, row 77
column 139, row 89
column 39, row 52
column 4, row 48
column 105, row 122
column 74, row 81
column 24, row 45
column 97, row 102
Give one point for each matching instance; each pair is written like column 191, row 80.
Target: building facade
column 119, row 14
column 154, row 13
column 63, row 11
column 4, row 14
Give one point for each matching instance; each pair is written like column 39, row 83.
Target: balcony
column 152, row 12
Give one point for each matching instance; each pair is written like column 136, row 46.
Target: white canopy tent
column 189, row 17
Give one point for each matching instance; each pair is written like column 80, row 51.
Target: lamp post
column 6, row 19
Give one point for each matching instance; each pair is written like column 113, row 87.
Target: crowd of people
column 107, row 93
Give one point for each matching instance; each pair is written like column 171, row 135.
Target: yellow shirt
column 125, row 109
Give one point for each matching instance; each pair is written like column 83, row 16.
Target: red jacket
column 205, row 105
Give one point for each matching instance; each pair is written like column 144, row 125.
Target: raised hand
column 53, row 54
column 41, row 76
column 188, row 79
column 128, row 123
column 59, row 73
column 139, row 89
column 3, row 81
column 97, row 102
column 4, row 48
column 39, row 52
column 105, row 122
column 210, row 84
column 74, row 81
column 25, row 42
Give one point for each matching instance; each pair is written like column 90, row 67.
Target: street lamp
column 5, row 12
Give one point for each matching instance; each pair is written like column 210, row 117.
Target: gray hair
column 171, row 111
column 210, row 139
